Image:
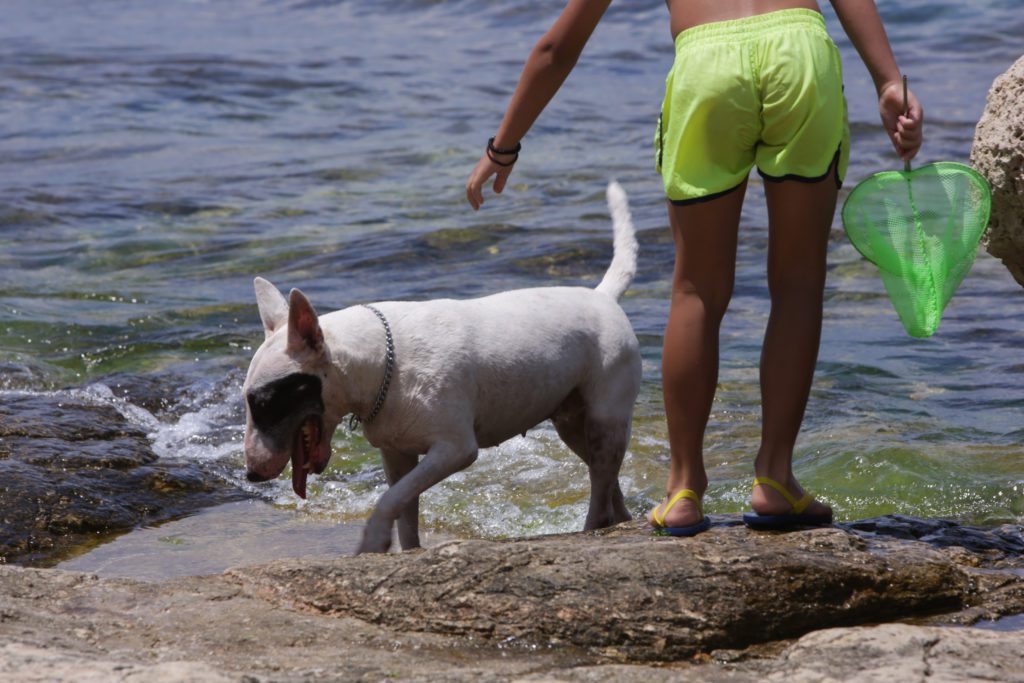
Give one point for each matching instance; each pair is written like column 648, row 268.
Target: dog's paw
column 375, row 540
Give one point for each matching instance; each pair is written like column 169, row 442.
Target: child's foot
column 778, row 506
column 766, row 500
column 680, row 514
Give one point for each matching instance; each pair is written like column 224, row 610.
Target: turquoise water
column 156, row 157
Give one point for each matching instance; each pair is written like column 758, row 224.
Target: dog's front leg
column 443, row 459
column 396, row 466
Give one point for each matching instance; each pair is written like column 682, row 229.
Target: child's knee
column 712, row 298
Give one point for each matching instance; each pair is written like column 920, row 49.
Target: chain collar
column 389, row 365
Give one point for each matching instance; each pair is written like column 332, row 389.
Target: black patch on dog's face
column 278, row 407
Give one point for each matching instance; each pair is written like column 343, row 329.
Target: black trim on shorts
column 805, row 179
column 661, row 140
column 705, row 198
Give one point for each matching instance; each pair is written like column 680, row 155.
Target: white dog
column 444, row 378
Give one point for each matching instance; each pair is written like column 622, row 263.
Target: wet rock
column 72, row 472
column 1006, row 540
column 146, row 391
column 171, row 392
column 53, row 416
column 998, row 153
column 577, row 607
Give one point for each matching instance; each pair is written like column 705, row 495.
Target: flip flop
column 795, row 519
column 693, row 529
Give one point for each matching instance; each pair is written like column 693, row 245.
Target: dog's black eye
column 274, row 401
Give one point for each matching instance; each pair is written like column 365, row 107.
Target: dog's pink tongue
column 299, row 472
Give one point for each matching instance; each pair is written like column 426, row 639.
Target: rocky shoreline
column 622, row 604
column 872, row 599
column 74, row 471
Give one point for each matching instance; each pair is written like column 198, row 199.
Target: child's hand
column 485, row 168
column 905, row 131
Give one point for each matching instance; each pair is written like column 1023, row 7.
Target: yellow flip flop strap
column 798, row 505
column 685, row 493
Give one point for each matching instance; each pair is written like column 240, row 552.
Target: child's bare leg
column 799, row 221
column 705, row 239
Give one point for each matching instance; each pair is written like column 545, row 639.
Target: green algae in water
column 172, row 540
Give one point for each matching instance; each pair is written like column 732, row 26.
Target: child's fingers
column 475, row 184
column 912, row 139
column 907, row 130
column 485, row 168
column 905, row 124
column 915, row 111
column 911, row 121
column 906, row 152
column 906, row 146
column 473, row 195
column 501, row 179
column 910, row 135
column 910, row 127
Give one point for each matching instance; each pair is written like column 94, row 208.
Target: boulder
column 998, row 153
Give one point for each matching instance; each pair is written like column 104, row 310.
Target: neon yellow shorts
column 765, row 90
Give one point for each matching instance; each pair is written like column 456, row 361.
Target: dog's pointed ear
column 272, row 304
column 303, row 325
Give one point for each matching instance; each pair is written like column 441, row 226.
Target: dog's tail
column 623, row 268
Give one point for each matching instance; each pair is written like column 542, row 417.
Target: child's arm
column 546, row 69
column 862, row 24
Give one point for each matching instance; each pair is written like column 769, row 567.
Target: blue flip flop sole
column 692, row 530
column 784, row 522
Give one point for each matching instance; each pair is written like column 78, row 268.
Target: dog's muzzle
column 255, row 477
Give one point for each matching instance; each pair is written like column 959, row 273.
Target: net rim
column 978, row 178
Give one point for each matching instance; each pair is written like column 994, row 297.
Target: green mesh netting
column 921, row 228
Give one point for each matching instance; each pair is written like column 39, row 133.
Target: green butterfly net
column 922, row 229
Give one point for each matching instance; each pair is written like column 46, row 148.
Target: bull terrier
column 432, row 382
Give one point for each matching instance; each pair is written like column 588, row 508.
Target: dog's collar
column 389, row 365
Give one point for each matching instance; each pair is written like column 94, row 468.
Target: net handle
column 906, row 112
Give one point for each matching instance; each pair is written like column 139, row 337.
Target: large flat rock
column 590, row 606
column 628, row 594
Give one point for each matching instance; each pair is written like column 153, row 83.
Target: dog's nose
column 255, row 477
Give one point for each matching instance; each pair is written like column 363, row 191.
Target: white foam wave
column 211, row 432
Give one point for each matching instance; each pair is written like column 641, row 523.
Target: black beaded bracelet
column 497, row 150
column 506, row 164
